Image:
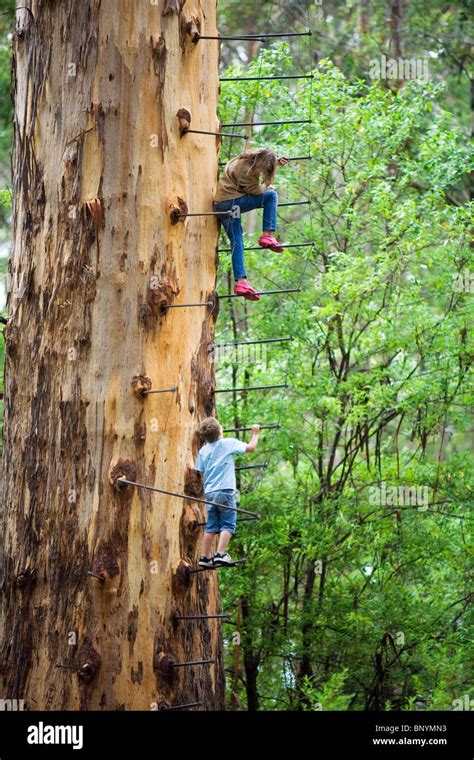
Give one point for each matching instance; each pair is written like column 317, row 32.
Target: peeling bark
column 99, row 166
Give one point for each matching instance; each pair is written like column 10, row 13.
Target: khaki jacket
column 238, row 179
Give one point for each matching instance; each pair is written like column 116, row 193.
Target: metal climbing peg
column 100, row 578
column 192, row 662
column 200, row 617
column 121, row 481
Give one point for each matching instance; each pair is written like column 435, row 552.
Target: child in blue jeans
column 239, row 190
column 216, row 463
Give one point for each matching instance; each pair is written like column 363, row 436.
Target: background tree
column 350, row 603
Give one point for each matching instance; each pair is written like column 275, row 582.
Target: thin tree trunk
column 364, row 17
column 396, row 14
column 236, row 674
column 98, row 258
column 251, row 658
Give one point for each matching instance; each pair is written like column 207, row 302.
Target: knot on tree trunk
column 206, row 397
column 88, row 661
column 141, row 383
column 191, row 520
column 25, row 577
column 184, row 120
column 124, row 468
column 193, row 485
column 163, row 665
column 190, row 27
column 176, row 208
column 182, row 578
column 160, row 295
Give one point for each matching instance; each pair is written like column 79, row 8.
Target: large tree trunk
column 99, row 167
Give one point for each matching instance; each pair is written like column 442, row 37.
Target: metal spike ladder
column 124, row 482
column 309, row 244
column 247, row 37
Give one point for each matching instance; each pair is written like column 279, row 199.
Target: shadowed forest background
column 357, row 593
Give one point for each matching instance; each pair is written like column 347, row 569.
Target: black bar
column 296, row 158
column 259, row 247
column 264, row 293
column 295, row 203
column 239, row 519
column 250, row 342
column 251, row 388
column 69, row 667
column 215, row 134
column 198, row 617
column 218, row 567
column 253, row 36
column 265, row 123
column 183, row 496
column 166, row 390
column 100, row 578
column 207, row 213
column 193, row 662
column 258, row 79
column 184, row 305
column 181, row 707
column 246, row 519
column 275, row 426
column 252, row 467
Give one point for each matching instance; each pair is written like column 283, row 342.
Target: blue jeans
column 233, row 226
column 221, row 518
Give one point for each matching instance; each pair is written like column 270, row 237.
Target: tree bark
column 364, row 17
column 99, row 257
column 396, row 17
column 251, row 658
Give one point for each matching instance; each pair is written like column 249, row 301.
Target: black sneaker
column 205, row 561
column 222, row 559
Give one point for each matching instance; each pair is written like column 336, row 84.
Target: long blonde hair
column 263, row 161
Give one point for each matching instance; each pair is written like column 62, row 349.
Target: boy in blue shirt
column 216, row 463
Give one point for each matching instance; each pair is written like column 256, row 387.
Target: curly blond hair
column 210, row 429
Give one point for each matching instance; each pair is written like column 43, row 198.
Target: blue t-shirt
column 216, row 461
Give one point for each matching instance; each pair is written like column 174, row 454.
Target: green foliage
column 347, row 602
column 330, row 697
column 6, row 198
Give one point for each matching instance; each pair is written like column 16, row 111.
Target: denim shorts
column 220, row 518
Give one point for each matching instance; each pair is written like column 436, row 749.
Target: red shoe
column 244, row 288
column 268, row 241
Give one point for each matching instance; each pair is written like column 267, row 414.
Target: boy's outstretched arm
column 254, row 439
